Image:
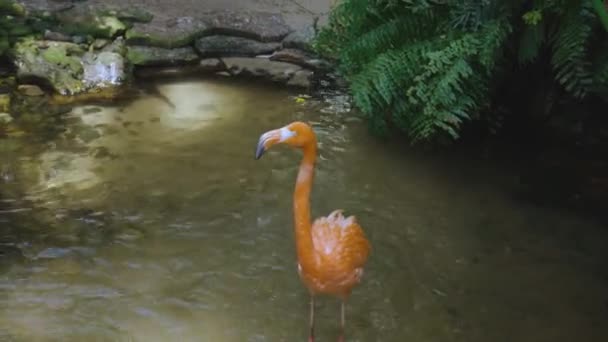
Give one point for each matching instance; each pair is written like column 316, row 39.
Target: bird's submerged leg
column 342, row 322
column 311, row 337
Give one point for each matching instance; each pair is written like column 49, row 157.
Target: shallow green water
column 151, row 221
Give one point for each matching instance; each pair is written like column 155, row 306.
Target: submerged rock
column 226, row 46
column 7, row 84
column 148, row 55
column 205, row 66
column 5, row 118
column 5, row 102
column 30, row 90
column 300, row 58
column 260, row 67
column 301, row 79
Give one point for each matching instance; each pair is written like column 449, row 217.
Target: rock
column 227, row 46
column 149, row 55
column 261, row 26
column 260, row 67
column 53, row 252
column 301, row 39
column 172, row 33
column 68, row 68
column 5, row 118
column 103, row 69
column 30, row 90
column 12, row 8
column 57, row 36
column 182, row 31
column 118, row 46
column 300, row 58
column 80, row 39
column 5, row 102
column 212, row 65
column 128, row 13
column 7, row 84
column 300, row 79
column 100, row 43
column 206, row 66
column 80, row 20
column 57, row 62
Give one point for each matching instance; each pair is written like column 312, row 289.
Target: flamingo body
column 332, row 250
column 340, row 252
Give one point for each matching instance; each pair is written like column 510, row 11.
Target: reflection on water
column 150, row 221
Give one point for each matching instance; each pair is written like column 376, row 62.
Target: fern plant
column 427, row 66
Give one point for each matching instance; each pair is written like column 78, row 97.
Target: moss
column 56, row 61
column 89, row 24
column 112, row 24
column 7, row 84
column 136, row 57
column 62, row 55
column 5, row 103
column 11, row 28
column 12, row 8
column 54, row 55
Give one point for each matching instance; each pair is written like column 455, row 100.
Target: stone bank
column 83, row 47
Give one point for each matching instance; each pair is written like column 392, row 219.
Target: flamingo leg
column 342, row 323
column 311, row 337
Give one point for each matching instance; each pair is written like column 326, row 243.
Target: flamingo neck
column 301, row 204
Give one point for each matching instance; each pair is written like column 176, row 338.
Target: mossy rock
column 57, row 62
column 5, row 103
column 8, row 7
column 82, row 22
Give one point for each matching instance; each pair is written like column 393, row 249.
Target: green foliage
column 13, row 24
column 426, row 67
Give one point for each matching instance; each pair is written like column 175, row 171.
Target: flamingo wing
column 342, row 249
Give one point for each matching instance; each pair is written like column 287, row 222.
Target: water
column 151, row 221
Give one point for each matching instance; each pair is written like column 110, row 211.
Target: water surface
column 151, row 221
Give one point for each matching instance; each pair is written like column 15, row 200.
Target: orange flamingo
column 333, row 250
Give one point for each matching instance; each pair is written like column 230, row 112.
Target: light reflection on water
column 152, row 222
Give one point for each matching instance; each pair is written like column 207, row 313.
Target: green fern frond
column 570, row 52
column 492, row 38
column 392, row 34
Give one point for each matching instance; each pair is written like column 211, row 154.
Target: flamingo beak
column 266, row 141
column 260, row 149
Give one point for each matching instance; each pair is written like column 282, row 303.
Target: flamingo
column 332, row 251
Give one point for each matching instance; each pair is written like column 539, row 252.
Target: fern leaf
column 569, row 57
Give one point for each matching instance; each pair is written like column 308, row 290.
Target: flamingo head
column 296, row 134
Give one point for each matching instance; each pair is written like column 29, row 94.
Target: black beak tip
column 259, row 151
